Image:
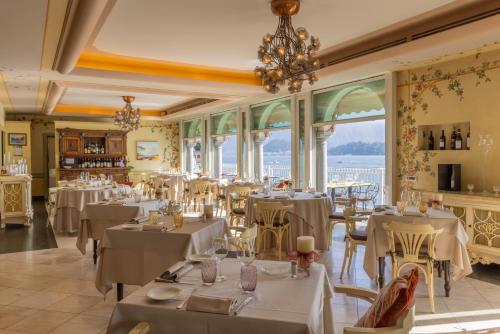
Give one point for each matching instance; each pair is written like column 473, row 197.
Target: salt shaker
column 293, row 268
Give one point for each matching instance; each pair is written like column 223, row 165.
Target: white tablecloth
column 95, row 218
column 70, row 203
column 451, row 244
column 282, row 306
column 315, row 211
column 176, row 186
column 136, row 257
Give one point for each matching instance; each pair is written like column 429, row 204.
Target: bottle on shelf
column 102, row 149
column 431, row 141
column 424, row 141
column 442, row 141
column 453, row 140
column 467, row 140
column 458, row 142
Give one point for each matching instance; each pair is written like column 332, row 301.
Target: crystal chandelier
column 285, row 55
column 129, row 118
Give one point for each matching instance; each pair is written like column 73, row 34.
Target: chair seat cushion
column 336, row 216
column 359, row 234
column 391, row 303
column 239, row 211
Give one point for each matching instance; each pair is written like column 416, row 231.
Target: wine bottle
column 453, row 140
column 452, row 180
column 424, row 141
column 442, row 141
column 467, row 140
column 431, row 141
column 458, row 142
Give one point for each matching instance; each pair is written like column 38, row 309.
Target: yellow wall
column 147, row 131
column 480, row 106
column 18, row 127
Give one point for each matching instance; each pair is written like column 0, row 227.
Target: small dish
column 162, row 293
column 197, row 258
column 276, row 270
column 131, row 227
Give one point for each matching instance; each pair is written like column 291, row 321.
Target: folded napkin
column 192, row 214
column 281, row 197
column 152, row 227
column 172, row 276
column 209, row 304
column 141, row 219
column 173, row 268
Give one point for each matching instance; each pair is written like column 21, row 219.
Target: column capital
column 261, row 137
column 324, row 132
column 190, row 142
column 219, row 140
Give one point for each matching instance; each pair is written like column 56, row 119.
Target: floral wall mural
column 171, row 151
column 432, row 95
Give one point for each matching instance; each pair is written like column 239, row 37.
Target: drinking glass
column 209, row 272
column 248, row 278
column 470, row 187
column 291, row 193
column 416, row 198
column 423, row 207
column 246, row 254
column 221, row 248
column 401, row 206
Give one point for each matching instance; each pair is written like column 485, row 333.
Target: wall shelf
column 425, row 130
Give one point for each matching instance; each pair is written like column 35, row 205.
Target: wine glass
column 221, row 248
column 470, row 187
column 246, row 253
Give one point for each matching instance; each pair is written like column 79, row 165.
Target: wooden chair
column 403, row 326
column 220, row 198
column 270, row 216
column 415, row 247
column 140, row 328
column 200, row 192
column 238, row 200
column 243, row 237
column 337, row 218
column 50, row 205
column 353, row 236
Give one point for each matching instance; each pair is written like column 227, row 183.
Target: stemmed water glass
column 221, row 248
column 246, row 252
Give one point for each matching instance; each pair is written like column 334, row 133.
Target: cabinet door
column 116, row 145
column 71, row 145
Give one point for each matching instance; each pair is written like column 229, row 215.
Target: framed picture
column 147, row 150
column 17, row 139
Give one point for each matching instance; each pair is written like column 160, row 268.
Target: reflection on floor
column 19, row 238
column 52, row 291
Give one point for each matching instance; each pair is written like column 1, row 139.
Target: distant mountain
column 278, row 145
column 358, row 148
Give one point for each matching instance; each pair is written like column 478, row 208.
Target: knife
column 243, row 304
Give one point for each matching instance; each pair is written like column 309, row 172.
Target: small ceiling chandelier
column 129, row 118
column 285, row 55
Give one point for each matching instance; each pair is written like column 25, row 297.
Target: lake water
column 352, row 161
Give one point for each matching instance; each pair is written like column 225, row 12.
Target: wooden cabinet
column 71, row 145
column 15, row 200
column 116, row 144
column 104, row 151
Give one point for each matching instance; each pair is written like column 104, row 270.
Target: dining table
column 280, row 305
column 348, row 185
column 70, row 202
column 450, row 244
column 310, row 214
column 96, row 217
column 135, row 256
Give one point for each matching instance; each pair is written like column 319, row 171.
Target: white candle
column 305, row 244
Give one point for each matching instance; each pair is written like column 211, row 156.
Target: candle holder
column 304, row 260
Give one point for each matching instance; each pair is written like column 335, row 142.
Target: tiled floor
column 52, row 291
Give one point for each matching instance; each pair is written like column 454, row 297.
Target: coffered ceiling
column 81, row 56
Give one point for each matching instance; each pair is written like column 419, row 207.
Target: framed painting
column 147, row 150
column 17, row 139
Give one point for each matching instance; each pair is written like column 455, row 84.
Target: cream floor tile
column 40, row 299
column 82, row 324
column 75, row 304
column 76, row 286
column 42, row 322
column 11, row 295
column 9, row 315
column 345, row 313
column 101, row 309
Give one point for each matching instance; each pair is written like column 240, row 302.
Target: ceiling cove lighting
column 285, row 55
column 129, row 118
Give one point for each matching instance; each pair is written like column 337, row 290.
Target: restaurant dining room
column 250, row 166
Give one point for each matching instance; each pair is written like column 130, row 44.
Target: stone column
column 259, row 141
column 218, row 142
column 322, row 135
column 190, row 155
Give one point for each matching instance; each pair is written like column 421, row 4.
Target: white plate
column 163, row 293
column 276, row 270
column 199, row 257
column 131, row 227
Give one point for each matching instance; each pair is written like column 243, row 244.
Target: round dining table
column 309, row 215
